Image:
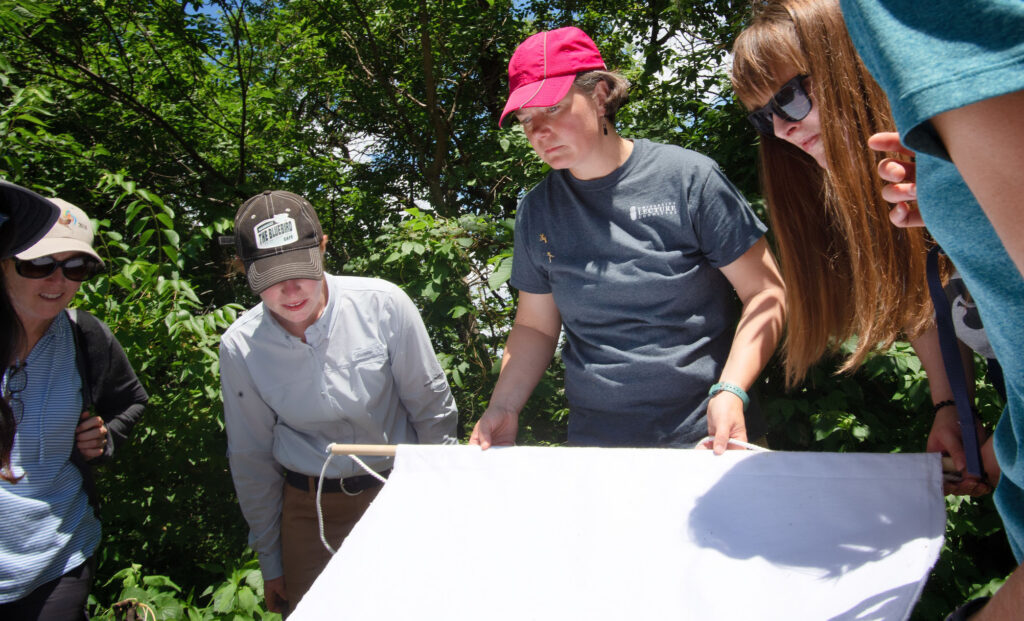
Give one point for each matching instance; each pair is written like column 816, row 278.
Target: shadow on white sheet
column 583, row 533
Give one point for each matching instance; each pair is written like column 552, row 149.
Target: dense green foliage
column 159, row 118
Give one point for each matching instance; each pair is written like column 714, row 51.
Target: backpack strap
column 953, row 364
column 78, row 334
column 82, row 362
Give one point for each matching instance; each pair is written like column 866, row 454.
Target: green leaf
column 30, row 118
column 247, row 599
column 502, row 272
column 160, row 581
column 133, row 210
column 224, row 598
column 172, row 237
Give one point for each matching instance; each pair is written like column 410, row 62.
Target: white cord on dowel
column 369, row 471
column 320, row 487
column 319, row 509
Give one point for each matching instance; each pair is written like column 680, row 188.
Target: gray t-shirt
column 631, row 259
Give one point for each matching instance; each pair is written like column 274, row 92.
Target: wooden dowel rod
column 372, row 450
column 388, row 450
column 947, row 464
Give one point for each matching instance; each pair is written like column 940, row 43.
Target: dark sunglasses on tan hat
column 77, row 268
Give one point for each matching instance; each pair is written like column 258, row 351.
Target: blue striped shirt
column 47, row 526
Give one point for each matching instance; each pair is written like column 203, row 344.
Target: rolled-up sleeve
column 421, row 382
column 121, row 399
column 257, row 477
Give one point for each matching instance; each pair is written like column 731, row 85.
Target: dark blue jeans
column 63, row 598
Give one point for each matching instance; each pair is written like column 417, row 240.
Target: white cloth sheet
column 584, row 533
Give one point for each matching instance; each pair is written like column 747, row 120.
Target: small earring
column 604, row 125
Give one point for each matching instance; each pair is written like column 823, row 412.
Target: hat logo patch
column 67, row 218
column 276, row 232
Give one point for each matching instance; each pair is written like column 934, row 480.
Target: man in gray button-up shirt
column 322, row 359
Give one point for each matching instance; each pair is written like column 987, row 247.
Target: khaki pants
column 303, row 554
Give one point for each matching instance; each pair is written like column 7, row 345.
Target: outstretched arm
column 528, row 351
column 421, row 383
column 757, row 281
column 258, row 480
column 945, row 436
column 985, row 140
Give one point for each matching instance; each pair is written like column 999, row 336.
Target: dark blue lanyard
column 953, row 363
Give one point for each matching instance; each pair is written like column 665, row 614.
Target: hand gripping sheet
column 582, row 533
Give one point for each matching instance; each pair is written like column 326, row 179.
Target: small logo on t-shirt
column 639, row 212
column 276, row 232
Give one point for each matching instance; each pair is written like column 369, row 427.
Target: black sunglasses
column 77, row 268
column 791, row 102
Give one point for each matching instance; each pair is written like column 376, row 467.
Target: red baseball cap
column 544, row 66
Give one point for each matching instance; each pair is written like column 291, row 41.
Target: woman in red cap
column 637, row 251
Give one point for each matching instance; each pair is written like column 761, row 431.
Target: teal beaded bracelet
column 734, row 389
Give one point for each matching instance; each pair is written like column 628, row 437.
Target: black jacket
column 110, row 388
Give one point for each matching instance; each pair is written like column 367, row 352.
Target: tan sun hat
column 72, row 232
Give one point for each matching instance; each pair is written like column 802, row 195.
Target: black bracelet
column 941, row 404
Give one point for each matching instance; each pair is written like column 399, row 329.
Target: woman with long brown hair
column 24, row 218
column 849, row 273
